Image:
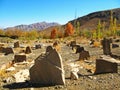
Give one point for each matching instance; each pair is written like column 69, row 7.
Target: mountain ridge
column 35, row 26
column 90, row 20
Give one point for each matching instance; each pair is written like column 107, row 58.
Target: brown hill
column 91, row 20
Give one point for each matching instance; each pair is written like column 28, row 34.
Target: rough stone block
column 28, row 50
column 48, row 70
column 8, row 50
column 20, row 58
column 16, row 44
column 84, row 55
column 105, row 66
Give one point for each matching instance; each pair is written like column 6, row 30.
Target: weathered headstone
column 107, row 65
column 106, row 46
column 84, row 55
column 49, row 49
column 48, row 70
column 115, row 45
column 28, row 50
column 16, row 44
column 1, row 49
column 117, row 40
column 8, row 50
column 20, row 58
column 72, row 43
column 79, row 49
column 38, row 46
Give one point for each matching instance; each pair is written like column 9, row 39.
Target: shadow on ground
column 24, row 85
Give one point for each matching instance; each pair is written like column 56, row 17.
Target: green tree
column 33, row 34
column 78, row 28
column 1, row 32
column 98, row 30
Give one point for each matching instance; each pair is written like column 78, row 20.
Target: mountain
column 35, row 26
column 90, row 21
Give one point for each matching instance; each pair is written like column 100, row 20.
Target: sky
column 17, row 12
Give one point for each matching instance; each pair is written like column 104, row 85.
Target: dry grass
column 96, row 44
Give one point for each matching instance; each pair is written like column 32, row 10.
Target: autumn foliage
column 54, row 33
column 69, row 30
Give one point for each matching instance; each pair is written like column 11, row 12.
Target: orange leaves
column 54, row 33
column 69, row 29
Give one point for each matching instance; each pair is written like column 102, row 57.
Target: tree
column 78, row 28
column 54, row 33
column 69, row 29
column 1, row 32
column 98, row 30
column 9, row 32
column 113, row 24
column 33, row 34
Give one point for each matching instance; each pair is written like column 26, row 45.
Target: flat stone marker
column 106, row 65
column 20, row 58
column 8, row 50
column 48, row 70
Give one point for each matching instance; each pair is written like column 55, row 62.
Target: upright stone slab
column 28, row 50
column 106, row 66
column 1, row 49
column 48, row 70
column 49, row 49
column 84, row 55
column 72, row 43
column 106, row 46
column 79, row 49
column 16, row 44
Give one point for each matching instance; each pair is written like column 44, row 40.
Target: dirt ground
column 87, row 79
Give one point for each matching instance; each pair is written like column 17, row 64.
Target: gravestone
column 49, row 49
column 28, row 50
column 20, row 58
column 106, row 65
column 38, row 46
column 79, row 49
column 106, row 46
column 48, row 70
column 16, row 44
column 8, row 50
column 84, row 55
column 115, row 45
column 1, row 49
column 72, row 43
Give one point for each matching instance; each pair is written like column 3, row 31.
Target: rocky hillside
column 36, row 26
column 90, row 21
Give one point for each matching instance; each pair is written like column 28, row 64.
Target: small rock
column 74, row 76
column 10, row 69
column 22, row 75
